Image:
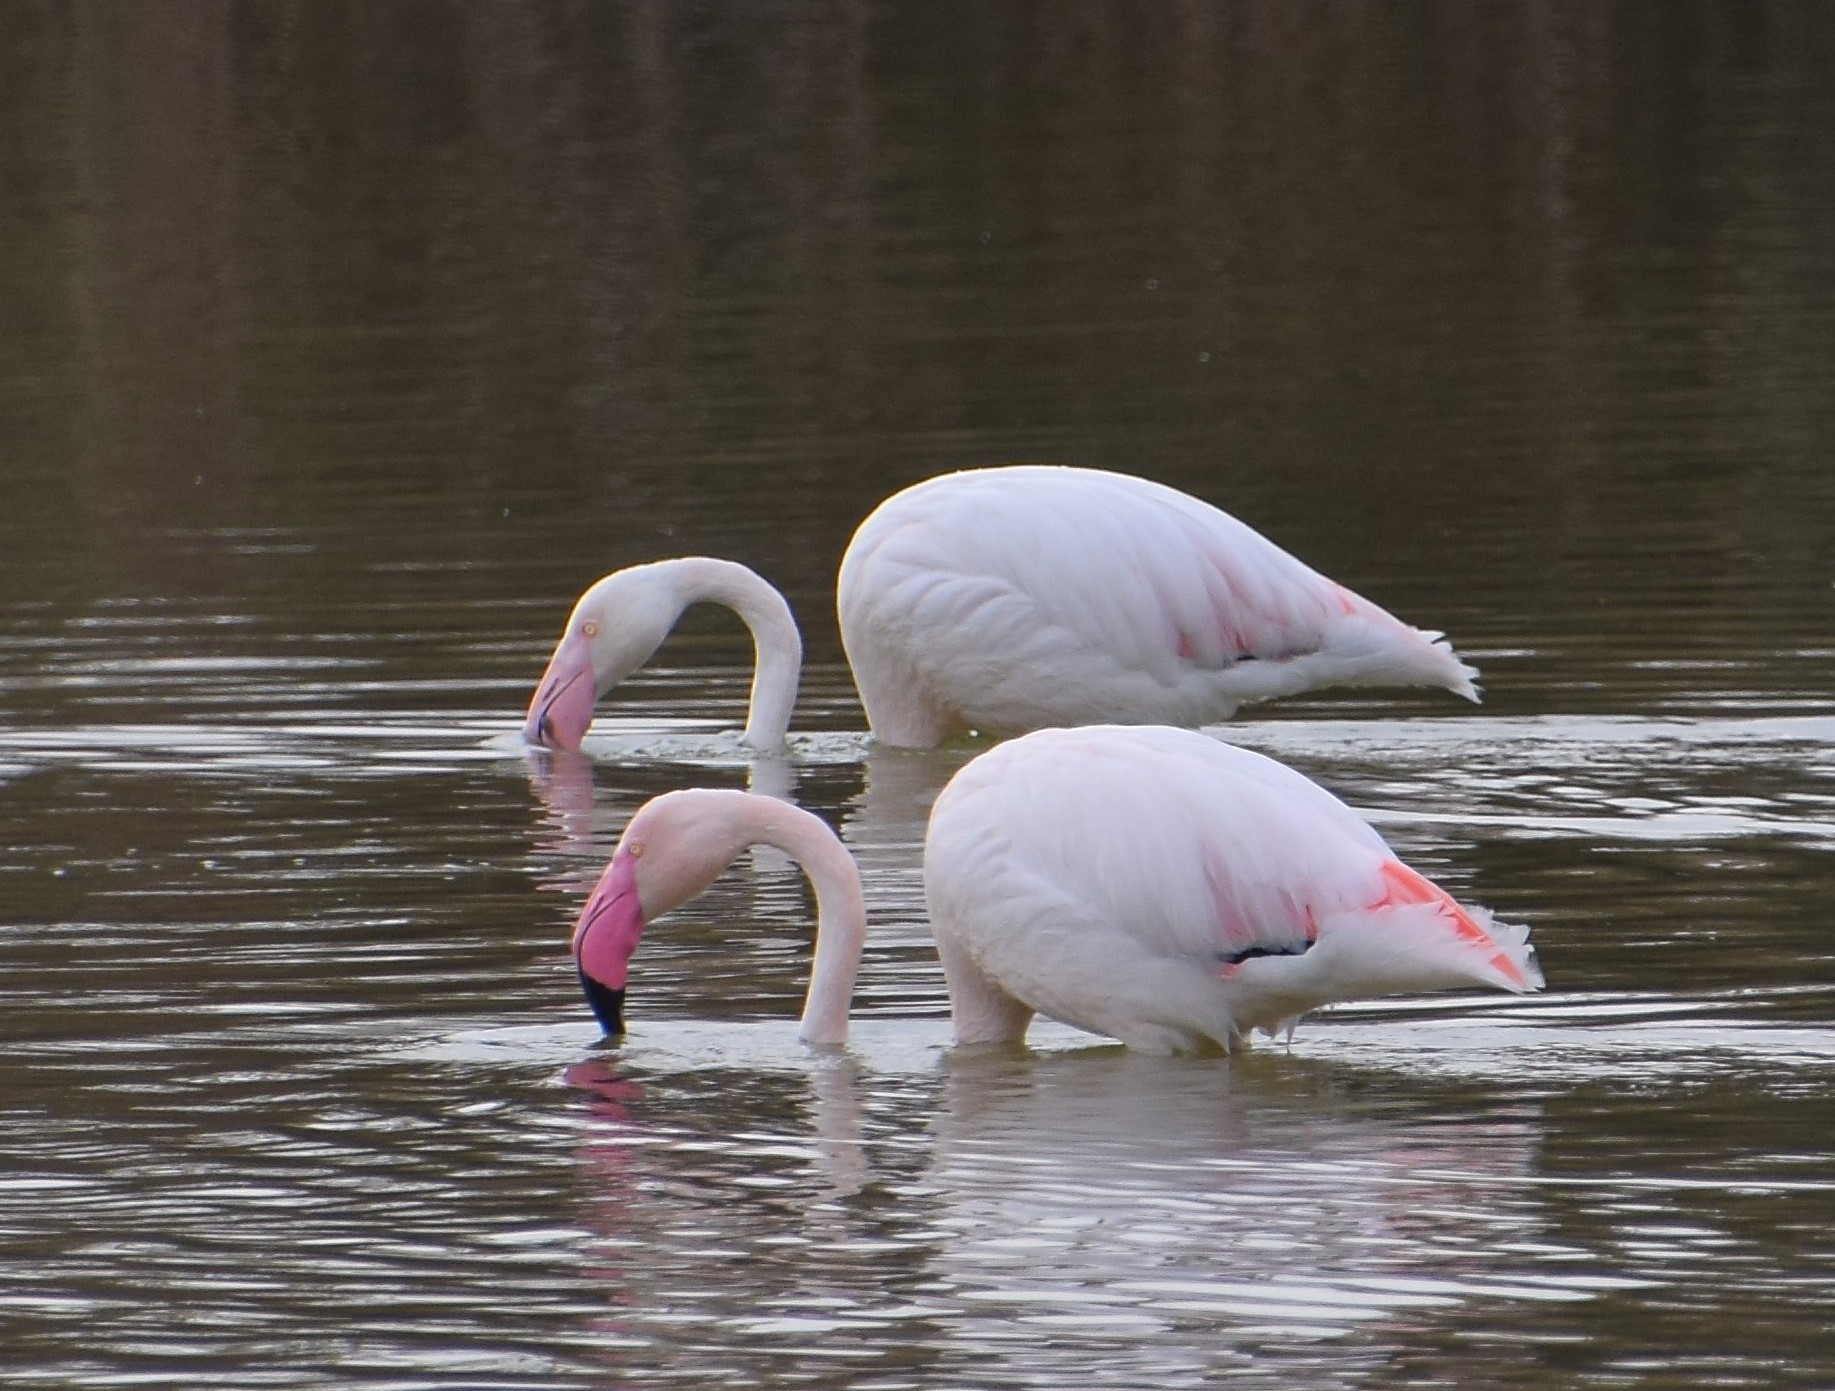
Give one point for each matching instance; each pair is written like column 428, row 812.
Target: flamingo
column 1033, row 595
column 1015, row 598
column 1152, row 885
column 620, row 621
column 1170, row 890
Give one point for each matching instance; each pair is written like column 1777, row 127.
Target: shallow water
column 344, row 346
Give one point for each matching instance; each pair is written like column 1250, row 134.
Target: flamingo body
column 1028, row 596
column 1172, row 891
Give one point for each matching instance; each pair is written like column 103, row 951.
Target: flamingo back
column 1018, row 597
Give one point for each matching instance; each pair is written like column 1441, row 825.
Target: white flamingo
column 1149, row 884
column 1008, row 599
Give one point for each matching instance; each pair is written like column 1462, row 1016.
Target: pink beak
column 563, row 704
column 605, row 937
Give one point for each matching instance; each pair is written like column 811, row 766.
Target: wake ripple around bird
column 1548, row 1042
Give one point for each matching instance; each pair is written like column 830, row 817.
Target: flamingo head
column 674, row 847
column 612, row 631
column 562, row 706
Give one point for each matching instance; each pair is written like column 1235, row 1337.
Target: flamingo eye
column 590, row 628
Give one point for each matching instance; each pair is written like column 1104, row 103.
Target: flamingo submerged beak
column 607, row 1004
column 562, row 706
column 607, row 933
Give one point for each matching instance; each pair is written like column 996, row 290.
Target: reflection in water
column 883, row 825
column 575, row 826
column 607, row 1181
column 1043, row 1208
column 563, row 785
column 1013, row 1216
column 1101, row 1197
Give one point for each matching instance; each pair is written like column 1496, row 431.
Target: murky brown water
column 341, row 345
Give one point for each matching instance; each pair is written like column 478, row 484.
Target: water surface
column 345, row 345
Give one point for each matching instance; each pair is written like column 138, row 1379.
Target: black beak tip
column 607, row 1004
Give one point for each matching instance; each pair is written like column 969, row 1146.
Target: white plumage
column 1166, row 889
column 1016, row 598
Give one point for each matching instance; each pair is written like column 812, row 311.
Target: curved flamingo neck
column 777, row 644
column 841, row 913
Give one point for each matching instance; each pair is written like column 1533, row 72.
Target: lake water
column 341, row 345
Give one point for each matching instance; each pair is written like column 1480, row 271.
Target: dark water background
column 341, row 345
